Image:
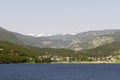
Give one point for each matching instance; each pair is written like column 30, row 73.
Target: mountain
column 76, row 41
column 86, row 40
column 17, row 38
column 14, row 53
column 39, row 35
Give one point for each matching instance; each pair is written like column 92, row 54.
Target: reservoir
column 59, row 71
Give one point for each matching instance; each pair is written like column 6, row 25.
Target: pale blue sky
column 59, row 16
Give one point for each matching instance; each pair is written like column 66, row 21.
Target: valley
column 93, row 46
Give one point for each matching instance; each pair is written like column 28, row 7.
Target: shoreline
column 84, row 62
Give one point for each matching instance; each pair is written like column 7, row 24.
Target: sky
column 59, row 16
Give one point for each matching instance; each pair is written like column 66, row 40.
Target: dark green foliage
column 12, row 53
column 8, row 58
column 43, row 60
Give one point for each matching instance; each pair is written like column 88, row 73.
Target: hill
column 9, row 36
column 14, row 53
column 103, row 51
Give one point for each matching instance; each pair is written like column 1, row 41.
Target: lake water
column 59, row 72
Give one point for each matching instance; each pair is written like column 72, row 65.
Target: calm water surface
column 59, row 72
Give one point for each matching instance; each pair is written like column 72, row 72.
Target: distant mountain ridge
column 79, row 41
column 47, row 35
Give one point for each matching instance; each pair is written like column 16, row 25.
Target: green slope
column 116, row 36
column 13, row 53
column 102, row 51
column 8, row 36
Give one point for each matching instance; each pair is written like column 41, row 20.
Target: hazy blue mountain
column 79, row 41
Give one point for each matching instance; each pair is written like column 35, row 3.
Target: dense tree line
column 13, row 53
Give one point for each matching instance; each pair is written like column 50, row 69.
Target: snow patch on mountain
column 47, row 35
column 39, row 35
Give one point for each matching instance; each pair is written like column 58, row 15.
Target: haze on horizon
column 59, row 16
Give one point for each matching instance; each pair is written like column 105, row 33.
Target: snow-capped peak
column 39, row 35
column 46, row 35
column 74, row 33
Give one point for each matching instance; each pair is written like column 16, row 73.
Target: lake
column 59, row 72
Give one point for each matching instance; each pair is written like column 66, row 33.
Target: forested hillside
column 14, row 53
